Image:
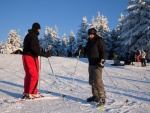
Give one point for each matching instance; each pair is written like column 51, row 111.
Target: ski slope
column 133, row 84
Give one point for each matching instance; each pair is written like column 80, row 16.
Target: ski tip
column 71, row 90
column 100, row 107
column 63, row 95
column 49, row 92
column 127, row 101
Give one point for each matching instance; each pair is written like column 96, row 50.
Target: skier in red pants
column 31, row 51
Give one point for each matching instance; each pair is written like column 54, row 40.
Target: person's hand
column 46, row 54
column 101, row 64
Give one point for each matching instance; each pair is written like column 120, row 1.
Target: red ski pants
column 138, row 58
column 31, row 67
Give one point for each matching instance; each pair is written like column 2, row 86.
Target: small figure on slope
column 143, row 55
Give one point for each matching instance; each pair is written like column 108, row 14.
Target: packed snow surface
column 122, row 83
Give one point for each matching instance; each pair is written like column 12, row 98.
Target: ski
column 41, row 98
column 101, row 107
column 47, row 97
column 96, row 105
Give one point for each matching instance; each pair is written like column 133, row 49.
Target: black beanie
column 36, row 26
column 92, row 31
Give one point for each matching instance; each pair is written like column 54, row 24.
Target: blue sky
column 66, row 14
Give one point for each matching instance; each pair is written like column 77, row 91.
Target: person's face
column 39, row 30
column 91, row 36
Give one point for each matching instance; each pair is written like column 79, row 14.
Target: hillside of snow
column 130, row 82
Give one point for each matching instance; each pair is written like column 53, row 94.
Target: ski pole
column 116, row 86
column 40, row 73
column 76, row 66
column 55, row 78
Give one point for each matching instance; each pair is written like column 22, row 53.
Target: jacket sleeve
column 35, row 48
column 101, row 48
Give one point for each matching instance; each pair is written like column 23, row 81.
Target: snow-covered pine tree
column 64, row 45
column 47, row 38
column 82, row 33
column 12, row 43
column 51, row 38
column 57, row 43
column 119, row 26
column 72, row 41
column 113, row 43
column 101, row 25
column 64, row 40
column 135, row 32
column 115, row 35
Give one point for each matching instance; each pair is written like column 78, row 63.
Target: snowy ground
column 133, row 83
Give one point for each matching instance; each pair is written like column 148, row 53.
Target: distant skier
column 138, row 54
column 143, row 55
column 132, row 56
column 49, row 49
column 31, row 51
column 95, row 50
column 69, row 51
column 116, row 59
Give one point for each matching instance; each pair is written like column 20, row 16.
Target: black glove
column 45, row 54
column 101, row 64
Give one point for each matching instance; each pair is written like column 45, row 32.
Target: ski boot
column 101, row 102
column 93, row 99
column 27, row 96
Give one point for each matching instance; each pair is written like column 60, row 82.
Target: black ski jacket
column 95, row 50
column 31, row 44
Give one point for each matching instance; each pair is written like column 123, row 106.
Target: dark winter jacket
column 31, row 44
column 95, row 50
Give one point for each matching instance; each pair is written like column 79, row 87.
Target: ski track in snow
column 133, row 83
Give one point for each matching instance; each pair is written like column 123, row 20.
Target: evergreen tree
column 47, row 38
column 135, row 32
column 119, row 26
column 64, row 40
column 51, row 38
column 113, row 44
column 72, row 41
column 64, row 45
column 82, row 33
column 12, row 43
column 115, row 34
column 101, row 25
column 57, row 43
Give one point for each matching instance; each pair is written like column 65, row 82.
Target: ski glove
column 101, row 64
column 44, row 54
